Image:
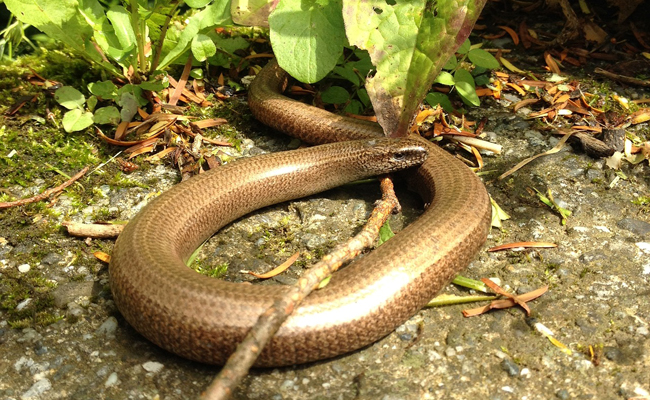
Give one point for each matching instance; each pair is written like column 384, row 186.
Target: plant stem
column 161, row 40
column 139, row 37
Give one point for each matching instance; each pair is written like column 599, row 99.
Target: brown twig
column 45, row 194
column 623, row 78
column 101, row 231
column 268, row 323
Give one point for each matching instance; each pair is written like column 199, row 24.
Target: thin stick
column 45, row 194
column 268, row 323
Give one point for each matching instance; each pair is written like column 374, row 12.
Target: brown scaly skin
column 203, row 319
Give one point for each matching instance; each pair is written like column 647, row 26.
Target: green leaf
column 385, row 233
column 107, row 115
column 91, row 103
column 464, row 48
column 437, row 98
column 60, row 20
column 129, row 106
column 354, row 107
column 335, row 95
column 482, row 58
column 77, row 120
column 135, row 91
column 203, row 47
column 105, row 90
column 251, row 12
column 197, row 3
column 408, row 42
column 155, row 86
column 362, row 94
column 213, row 15
column 346, row 71
column 445, row 78
column 69, row 97
column 121, row 21
column 308, row 37
column 451, row 63
column 466, row 87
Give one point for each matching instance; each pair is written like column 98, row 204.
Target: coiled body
column 204, row 319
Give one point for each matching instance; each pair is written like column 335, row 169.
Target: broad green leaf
column 77, row 120
column 69, row 97
column 335, row 95
column 121, row 21
column 482, row 58
column 104, row 34
column 203, row 47
column 308, row 37
column 346, row 71
column 251, row 12
column 354, row 107
column 196, row 73
column 408, row 42
column 466, row 87
column 197, row 3
column 129, row 106
column 450, row 64
column 385, row 233
column 437, row 98
column 105, row 90
column 107, row 115
column 464, row 48
column 217, row 13
column 155, row 86
column 59, row 19
column 91, row 103
column 362, row 94
column 135, row 91
column 445, row 78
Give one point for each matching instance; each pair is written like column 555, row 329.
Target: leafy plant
column 408, row 42
column 139, row 38
column 131, row 42
column 12, row 36
column 463, row 76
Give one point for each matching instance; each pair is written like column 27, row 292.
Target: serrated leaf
column 335, row 95
column 445, row 78
column 77, row 120
column 308, row 37
column 69, row 97
column 203, row 47
column 482, row 58
column 107, row 115
column 408, row 42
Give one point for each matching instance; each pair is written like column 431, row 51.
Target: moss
column 217, row 271
column 17, row 288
